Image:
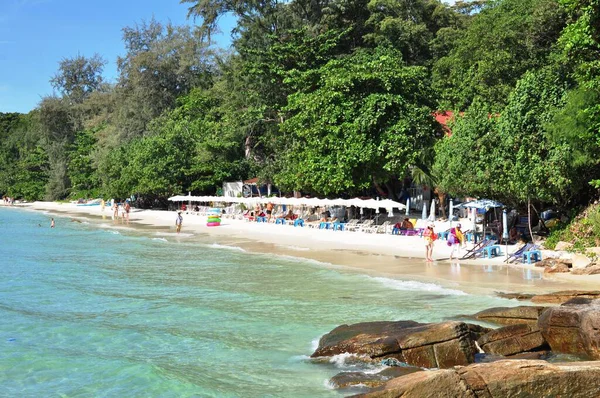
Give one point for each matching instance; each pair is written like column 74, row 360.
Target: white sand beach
column 375, row 254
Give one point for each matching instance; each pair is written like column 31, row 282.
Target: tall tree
column 506, row 39
column 78, row 77
column 364, row 122
column 162, row 63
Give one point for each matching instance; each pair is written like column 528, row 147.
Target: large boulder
column 592, row 269
column 350, row 379
column 509, row 378
column 573, row 328
column 557, row 268
column 580, row 260
column 554, row 263
column 513, row 339
column 433, row 345
column 564, row 296
column 511, row 315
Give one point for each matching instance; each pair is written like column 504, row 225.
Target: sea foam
column 218, row 246
column 398, row 284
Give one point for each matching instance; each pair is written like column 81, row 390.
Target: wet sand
column 397, row 257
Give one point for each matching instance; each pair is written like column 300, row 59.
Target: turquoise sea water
column 87, row 310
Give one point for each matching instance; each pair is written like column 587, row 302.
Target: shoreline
column 395, row 257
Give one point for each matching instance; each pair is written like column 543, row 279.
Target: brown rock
column 435, row 384
column 564, row 296
column 511, row 340
column 580, row 260
column 593, row 269
column 434, row 345
column 553, row 262
column 573, row 329
column 511, row 315
column 516, row 296
column 349, row 379
column 557, row 268
column 509, row 378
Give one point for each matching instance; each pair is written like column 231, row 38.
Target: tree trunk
column 442, row 197
column 529, row 218
column 379, row 189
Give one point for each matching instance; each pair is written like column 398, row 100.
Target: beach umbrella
column 424, row 211
column 432, row 210
column 482, row 204
column 450, row 211
column 407, row 206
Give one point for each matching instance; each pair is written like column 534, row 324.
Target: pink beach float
column 213, row 224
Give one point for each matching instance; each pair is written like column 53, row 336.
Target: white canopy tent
column 310, row 202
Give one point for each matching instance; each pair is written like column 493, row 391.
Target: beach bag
column 451, row 240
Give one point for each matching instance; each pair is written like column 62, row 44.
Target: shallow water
column 88, row 310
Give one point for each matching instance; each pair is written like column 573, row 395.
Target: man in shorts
column 178, row 221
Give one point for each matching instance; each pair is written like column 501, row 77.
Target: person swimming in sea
column 52, row 223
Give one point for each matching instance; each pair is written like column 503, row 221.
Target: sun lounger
column 518, row 254
column 478, row 249
column 378, row 229
column 366, row 225
column 357, row 226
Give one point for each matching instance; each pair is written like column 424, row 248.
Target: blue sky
column 36, row 34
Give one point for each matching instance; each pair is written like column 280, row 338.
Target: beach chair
column 378, row 229
column 478, row 249
column 518, row 254
column 356, row 226
column 365, row 225
column 350, row 224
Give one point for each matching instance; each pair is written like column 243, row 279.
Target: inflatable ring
column 213, row 219
column 213, row 224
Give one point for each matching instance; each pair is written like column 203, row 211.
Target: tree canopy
column 327, row 97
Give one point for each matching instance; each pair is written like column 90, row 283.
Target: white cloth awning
column 311, row 202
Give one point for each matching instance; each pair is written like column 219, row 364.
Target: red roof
column 444, row 118
column 251, row 181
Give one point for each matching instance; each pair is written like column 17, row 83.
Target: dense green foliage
column 327, row 97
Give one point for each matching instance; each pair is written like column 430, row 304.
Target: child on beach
column 430, row 237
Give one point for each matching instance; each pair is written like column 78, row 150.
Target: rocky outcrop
column 513, row 339
column 564, row 296
column 580, row 260
column 515, row 296
column 511, row 315
column 349, row 379
column 573, row 328
column 509, row 378
column 558, row 268
column 434, row 345
column 554, row 263
column 592, row 269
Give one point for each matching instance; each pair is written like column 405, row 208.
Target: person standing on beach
column 455, row 240
column 52, row 223
column 102, row 205
column 430, row 237
column 178, row 221
column 127, row 209
column 115, row 209
column 269, row 211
